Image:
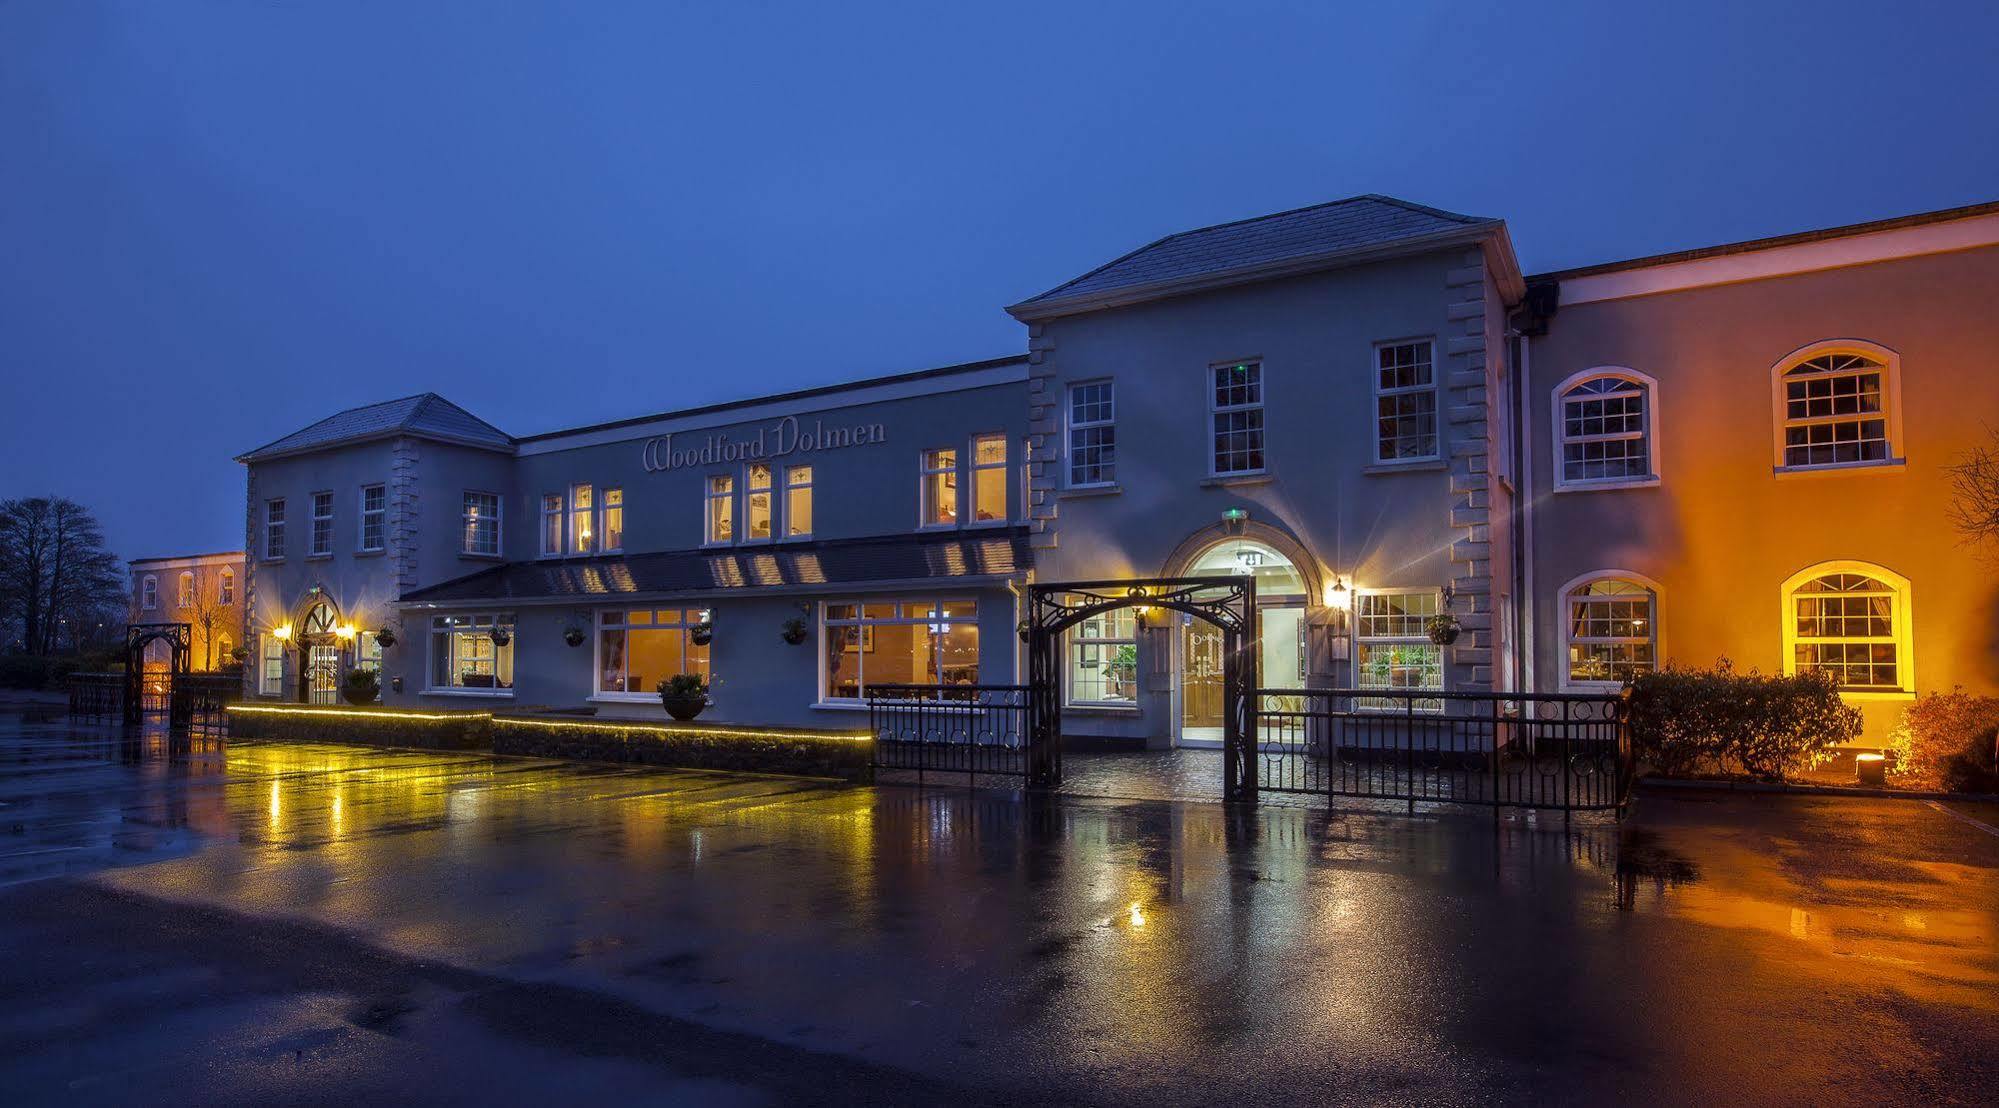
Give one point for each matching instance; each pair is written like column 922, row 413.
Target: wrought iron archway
column 1228, row 602
column 180, row 640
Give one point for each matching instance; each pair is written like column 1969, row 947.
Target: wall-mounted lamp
column 344, row 631
column 282, row 632
column 1338, row 596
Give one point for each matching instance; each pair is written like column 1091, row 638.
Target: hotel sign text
column 785, row 437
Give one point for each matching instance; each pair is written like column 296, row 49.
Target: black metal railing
column 207, row 697
column 1565, row 751
column 97, row 696
column 969, row 729
column 203, row 697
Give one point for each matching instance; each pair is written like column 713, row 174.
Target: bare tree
column 204, row 612
column 1974, row 484
column 54, row 569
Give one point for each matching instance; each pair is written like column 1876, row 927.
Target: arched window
column 1605, row 429
column 1850, row 619
column 184, row 595
column 1836, row 406
column 225, row 589
column 1610, row 628
column 149, row 592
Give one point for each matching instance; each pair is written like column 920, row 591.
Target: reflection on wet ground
column 315, row 913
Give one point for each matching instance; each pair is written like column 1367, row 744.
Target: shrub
column 1946, row 741
column 1719, row 721
column 34, row 671
column 683, row 684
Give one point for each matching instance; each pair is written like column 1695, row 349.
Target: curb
column 1809, row 790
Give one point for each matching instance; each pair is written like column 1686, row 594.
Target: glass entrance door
column 322, row 674
column 1200, row 682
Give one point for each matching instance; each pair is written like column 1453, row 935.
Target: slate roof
column 1341, row 226
column 425, row 415
column 792, row 567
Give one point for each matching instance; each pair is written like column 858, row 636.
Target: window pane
column 843, row 662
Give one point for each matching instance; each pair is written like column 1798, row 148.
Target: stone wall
column 371, row 726
column 848, row 757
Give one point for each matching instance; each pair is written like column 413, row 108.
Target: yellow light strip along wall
column 561, row 725
column 345, row 713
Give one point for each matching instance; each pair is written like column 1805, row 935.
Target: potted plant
column 703, row 632
column 794, row 630
column 683, row 695
column 362, row 686
column 241, row 654
column 386, row 636
column 1444, row 628
column 573, row 635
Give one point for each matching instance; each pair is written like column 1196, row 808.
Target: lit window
column 184, row 594
column 1392, row 644
column 464, row 654
column 1103, row 659
column 1604, row 428
column 274, row 529
column 1236, row 415
column 940, row 488
column 614, row 521
column 1092, row 434
column 721, row 508
column 1836, row 409
column 374, row 517
column 1405, row 391
column 322, row 524
column 224, row 646
column 989, row 479
column 551, row 525
column 271, row 667
column 867, row 644
column 225, row 587
column 149, row 592
column 757, row 502
column 482, row 523
column 798, row 502
column 636, row 650
column 582, row 519
column 1612, row 633
column 1850, row 620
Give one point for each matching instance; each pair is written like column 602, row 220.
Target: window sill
column 1883, row 696
column 838, row 706
column 1599, row 486
column 1415, row 465
column 1235, row 480
column 476, row 694
column 1092, row 709
column 474, row 556
column 375, row 553
column 326, row 557
column 267, row 561
column 1786, row 473
column 1088, row 490
column 987, row 524
column 623, row 698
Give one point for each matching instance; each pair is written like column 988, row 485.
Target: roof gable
column 1209, row 256
column 425, row 415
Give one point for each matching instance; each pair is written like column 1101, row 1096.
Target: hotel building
column 1740, row 451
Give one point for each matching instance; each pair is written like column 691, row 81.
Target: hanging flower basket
column 702, row 633
column 1444, row 629
column 241, row 653
column 574, row 636
column 500, row 636
column 386, row 636
column 794, row 630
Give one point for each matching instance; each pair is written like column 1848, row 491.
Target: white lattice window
column 1836, row 407
column 322, row 524
column 721, row 514
column 1236, row 417
column 1103, row 659
column 1092, row 434
column 867, row 643
column 1605, row 430
column 1405, row 402
column 1392, row 647
column 1611, row 629
column 374, row 516
column 482, row 523
column 1850, row 619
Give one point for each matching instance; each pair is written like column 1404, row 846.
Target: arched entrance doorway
column 320, row 650
column 150, row 687
column 1282, row 595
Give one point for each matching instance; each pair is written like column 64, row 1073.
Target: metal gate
column 968, row 729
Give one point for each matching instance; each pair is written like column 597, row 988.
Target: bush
column 1947, row 741
column 33, row 671
column 1686, row 721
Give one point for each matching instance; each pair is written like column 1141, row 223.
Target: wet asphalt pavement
column 251, row 923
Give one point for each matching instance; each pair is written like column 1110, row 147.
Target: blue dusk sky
column 222, row 221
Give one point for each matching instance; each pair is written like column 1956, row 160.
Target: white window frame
column 772, row 510
column 466, row 519
column 1902, row 612
column 708, row 498
column 581, row 532
column 379, row 516
column 811, row 501
column 1418, row 638
column 1645, row 384
column 149, row 593
column 271, row 666
column 1217, row 409
column 225, row 586
column 968, row 495
column 1072, row 641
column 1891, row 402
column 615, row 619
column 274, row 529
column 1071, row 425
column 1378, row 393
column 907, row 612
column 319, row 542
column 927, row 469
column 610, row 502
column 1565, row 616
column 474, row 623
column 554, row 525
column 184, row 590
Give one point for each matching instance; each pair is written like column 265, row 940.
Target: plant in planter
column 683, row 695
column 794, row 630
column 703, row 632
column 574, row 635
column 386, row 636
column 241, row 654
column 362, row 686
column 1444, row 628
